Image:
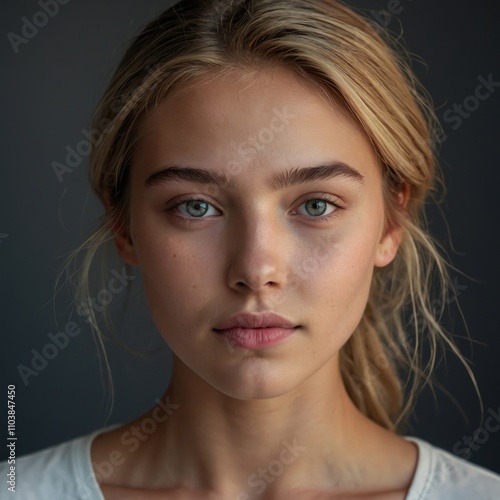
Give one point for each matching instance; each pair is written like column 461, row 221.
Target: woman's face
column 304, row 249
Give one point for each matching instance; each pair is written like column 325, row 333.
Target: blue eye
column 194, row 207
column 199, row 208
column 319, row 207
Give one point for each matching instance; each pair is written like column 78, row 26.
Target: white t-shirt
column 65, row 472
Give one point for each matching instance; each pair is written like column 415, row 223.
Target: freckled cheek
column 175, row 263
column 179, row 277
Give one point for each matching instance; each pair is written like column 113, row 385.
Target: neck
column 307, row 436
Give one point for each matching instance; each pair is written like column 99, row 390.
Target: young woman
column 264, row 164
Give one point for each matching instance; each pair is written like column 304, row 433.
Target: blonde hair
column 348, row 59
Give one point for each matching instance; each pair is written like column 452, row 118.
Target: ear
column 393, row 234
column 123, row 241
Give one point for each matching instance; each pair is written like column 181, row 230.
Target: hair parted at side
column 353, row 63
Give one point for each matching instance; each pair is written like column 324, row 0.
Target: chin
column 257, row 379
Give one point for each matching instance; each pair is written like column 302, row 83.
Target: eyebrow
column 277, row 181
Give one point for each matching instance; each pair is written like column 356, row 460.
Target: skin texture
column 256, row 249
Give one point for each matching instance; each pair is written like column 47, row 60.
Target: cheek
column 176, row 274
column 344, row 279
column 168, row 260
column 340, row 285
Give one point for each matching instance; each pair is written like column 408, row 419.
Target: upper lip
column 255, row 320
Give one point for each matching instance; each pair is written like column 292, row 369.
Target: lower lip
column 255, row 338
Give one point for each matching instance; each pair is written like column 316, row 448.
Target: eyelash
column 329, row 199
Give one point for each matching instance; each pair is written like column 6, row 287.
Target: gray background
column 49, row 90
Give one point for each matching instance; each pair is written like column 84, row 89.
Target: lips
column 255, row 330
column 255, row 320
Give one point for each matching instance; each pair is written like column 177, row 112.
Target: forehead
column 270, row 118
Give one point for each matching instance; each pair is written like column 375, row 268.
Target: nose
column 258, row 254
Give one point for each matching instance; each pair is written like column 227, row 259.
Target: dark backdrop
column 50, row 84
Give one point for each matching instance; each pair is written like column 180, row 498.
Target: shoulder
column 62, row 471
column 441, row 475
